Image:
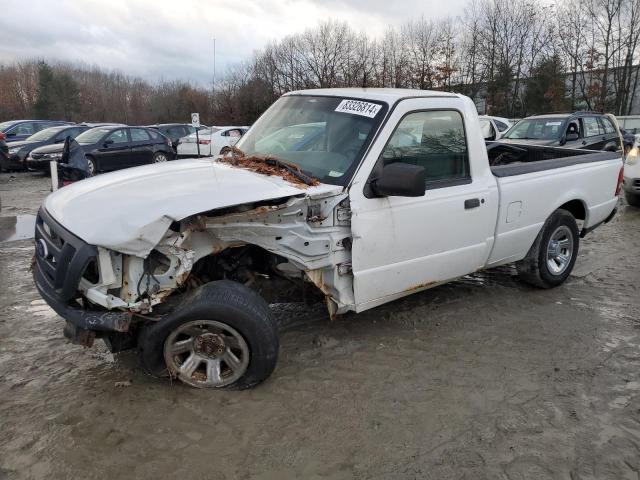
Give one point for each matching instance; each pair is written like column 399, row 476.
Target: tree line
column 513, row 57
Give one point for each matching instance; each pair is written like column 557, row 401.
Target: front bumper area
column 631, row 185
column 60, row 263
column 12, row 162
column 39, row 165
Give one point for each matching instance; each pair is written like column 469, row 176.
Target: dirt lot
column 484, row 378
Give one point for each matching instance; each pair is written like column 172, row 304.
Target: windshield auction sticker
column 357, row 107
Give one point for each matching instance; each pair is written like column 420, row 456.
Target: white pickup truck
column 368, row 194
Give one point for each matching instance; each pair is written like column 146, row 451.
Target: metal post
column 53, row 165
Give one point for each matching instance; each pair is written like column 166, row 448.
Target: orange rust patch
column 267, row 165
column 422, row 286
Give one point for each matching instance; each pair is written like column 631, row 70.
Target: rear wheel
column 222, row 335
column 160, row 157
column 92, row 168
column 633, row 199
column 552, row 256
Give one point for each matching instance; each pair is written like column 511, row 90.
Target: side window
column 26, row 128
column 176, row 132
column 139, row 135
column 119, row 136
column 591, row 127
column 434, row 140
column 608, row 126
column 501, row 125
column 190, row 130
column 154, row 134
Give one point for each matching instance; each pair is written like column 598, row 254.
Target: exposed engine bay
column 286, row 241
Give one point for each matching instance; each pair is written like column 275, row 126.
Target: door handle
column 471, row 203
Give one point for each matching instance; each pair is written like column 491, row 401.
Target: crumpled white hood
column 130, row 210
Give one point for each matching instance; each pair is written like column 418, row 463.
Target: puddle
column 20, row 227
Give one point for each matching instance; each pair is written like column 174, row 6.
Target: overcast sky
column 174, row 38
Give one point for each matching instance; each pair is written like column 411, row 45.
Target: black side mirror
column 11, row 134
column 400, row 180
column 108, row 142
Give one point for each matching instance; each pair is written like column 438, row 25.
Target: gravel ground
column 484, row 378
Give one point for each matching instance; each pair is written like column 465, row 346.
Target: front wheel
column 552, row 256
column 222, row 335
column 633, row 199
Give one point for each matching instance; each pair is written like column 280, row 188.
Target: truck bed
column 533, row 181
column 507, row 160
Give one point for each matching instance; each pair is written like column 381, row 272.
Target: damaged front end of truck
column 273, row 246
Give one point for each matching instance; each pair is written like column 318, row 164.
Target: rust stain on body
column 422, row 286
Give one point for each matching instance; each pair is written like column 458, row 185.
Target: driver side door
column 405, row 244
column 114, row 151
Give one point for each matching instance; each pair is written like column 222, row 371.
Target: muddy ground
column 485, row 378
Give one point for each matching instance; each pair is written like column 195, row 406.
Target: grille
column 61, row 258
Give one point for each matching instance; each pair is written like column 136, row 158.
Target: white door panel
column 401, row 244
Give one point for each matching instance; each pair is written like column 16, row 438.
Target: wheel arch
column 575, row 207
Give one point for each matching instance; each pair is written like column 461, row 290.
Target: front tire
column 633, row 199
column 221, row 335
column 553, row 254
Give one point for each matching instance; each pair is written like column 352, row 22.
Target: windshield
column 46, row 134
column 324, row 136
column 92, row 136
column 548, row 128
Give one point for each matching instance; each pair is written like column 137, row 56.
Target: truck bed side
column 530, row 191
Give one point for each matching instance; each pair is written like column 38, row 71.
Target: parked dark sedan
column 175, row 131
column 586, row 130
column 16, row 130
column 112, row 148
column 19, row 151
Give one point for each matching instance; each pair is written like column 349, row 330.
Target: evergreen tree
column 67, row 96
column 45, row 96
column 546, row 89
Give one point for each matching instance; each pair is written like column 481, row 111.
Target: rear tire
column 160, row 157
column 212, row 322
column 633, row 199
column 92, row 167
column 553, row 254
